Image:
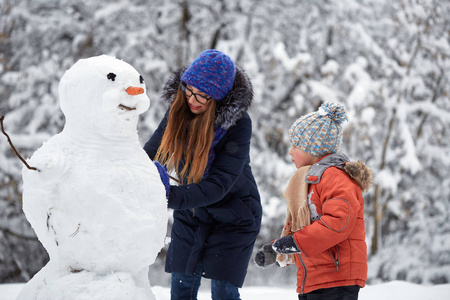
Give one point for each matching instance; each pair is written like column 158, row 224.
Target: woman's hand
column 164, row 177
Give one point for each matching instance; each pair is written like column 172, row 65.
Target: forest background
column 387, row 61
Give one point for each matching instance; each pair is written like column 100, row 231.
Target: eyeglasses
column 200, row 98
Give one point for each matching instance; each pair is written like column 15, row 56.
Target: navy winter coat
column 217, row 220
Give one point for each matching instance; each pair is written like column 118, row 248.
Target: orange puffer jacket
column 333, row 247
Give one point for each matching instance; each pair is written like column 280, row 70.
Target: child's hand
column 266, row 256
column 285, row 245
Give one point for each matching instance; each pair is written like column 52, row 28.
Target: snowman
column 96, row 201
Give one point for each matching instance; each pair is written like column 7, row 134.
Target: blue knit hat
column 319, row 133
column 212, row 73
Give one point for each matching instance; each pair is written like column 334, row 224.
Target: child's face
column 301, row 158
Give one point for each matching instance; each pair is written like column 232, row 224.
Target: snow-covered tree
column 386, row 61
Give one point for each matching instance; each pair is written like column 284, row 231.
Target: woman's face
column 195, row 106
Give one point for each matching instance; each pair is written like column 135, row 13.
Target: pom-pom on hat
column 212, row 73
column 319, row 133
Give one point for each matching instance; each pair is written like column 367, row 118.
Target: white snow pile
column 398, row 290
column 96, row 201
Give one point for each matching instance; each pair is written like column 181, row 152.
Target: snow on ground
column 398, row 290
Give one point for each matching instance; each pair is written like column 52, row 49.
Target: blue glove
column 285, row 245
column 162, row 170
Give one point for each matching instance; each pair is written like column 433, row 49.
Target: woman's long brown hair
column 188, row 137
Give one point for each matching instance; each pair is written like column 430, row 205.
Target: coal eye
column 141, row 79
column 111, row 76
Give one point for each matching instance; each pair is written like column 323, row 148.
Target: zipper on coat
column 336, row 261
column 306, row 273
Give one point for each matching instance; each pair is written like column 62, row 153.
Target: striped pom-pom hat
column 212, row 72
column 319, row 133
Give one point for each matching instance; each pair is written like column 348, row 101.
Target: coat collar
column 318, row 168
column 357, row 170
column 230, row 109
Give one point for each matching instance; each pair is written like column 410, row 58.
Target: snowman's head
column 102, row 94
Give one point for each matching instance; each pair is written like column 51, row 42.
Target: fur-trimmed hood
column 361, row 173
column 357, row 170
column 230, row 109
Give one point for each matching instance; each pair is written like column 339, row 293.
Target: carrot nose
column 132, row 90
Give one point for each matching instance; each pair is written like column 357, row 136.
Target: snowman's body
column 97, row 203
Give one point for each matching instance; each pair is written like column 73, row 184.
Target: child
column 324, row 231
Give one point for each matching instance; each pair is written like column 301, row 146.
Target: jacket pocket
column 326, row 261
column 335, row 256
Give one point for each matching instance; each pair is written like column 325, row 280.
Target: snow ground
column 398, row 290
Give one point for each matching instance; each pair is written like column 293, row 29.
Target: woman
column 205, row 139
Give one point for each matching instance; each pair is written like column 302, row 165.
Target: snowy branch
column 14, row 148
